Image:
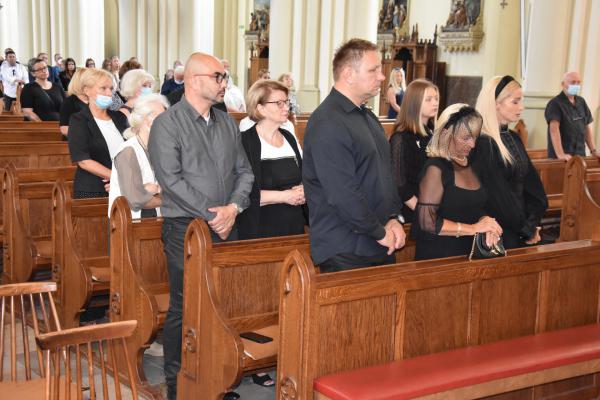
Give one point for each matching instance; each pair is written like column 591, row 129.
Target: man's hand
column 564, row 157
column 536, row 237
column 398, row 231
column 596, row 153
column 224, row 220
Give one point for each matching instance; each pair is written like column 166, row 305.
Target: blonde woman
column 516, row 196
column 451, row 199
column 132, row 174
column 395, row 92
column 74, row 102
column 412, row 132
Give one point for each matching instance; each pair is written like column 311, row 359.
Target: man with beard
column 203, row 172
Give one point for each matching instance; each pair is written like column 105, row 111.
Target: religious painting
column 463, row 30
column 259, row 19
column 392, row 16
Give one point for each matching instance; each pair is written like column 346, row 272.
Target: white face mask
column 177, row 82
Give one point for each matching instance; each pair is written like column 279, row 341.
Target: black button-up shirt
column 573, row 120
column 347, row 180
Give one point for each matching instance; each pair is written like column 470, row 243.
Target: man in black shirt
column 569, row 121
column 354, row 206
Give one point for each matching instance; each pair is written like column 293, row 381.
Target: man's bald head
column 571, row 79
column 572, row 76
column 202, row 63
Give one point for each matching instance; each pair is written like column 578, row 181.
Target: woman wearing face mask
column 95, row 136
column 412, row 132
column 451, row 205
column 516, row 196
column 135, row 83
column 132, row 173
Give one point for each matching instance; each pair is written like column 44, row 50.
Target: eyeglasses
column 40, row 69
column 219, row 77
column 280, row 103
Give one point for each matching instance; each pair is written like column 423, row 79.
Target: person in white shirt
column 234, row 98
column 12, row 74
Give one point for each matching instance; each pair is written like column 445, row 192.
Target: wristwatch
column 397, row 217
column 238, row 208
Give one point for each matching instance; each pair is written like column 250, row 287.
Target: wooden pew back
column 340, row 321
column 581, row 207
column 20, row 123
column 30, row 135
column 80, row 263
column 27, row 200
column 388, row 127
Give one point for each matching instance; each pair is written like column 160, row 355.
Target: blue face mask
column 103, row 102
column 574, row 90
column 145, row 90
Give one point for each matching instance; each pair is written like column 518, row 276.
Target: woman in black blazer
column 95, row 134
column 277, row 197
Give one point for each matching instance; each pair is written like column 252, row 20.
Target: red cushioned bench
column 473, row 372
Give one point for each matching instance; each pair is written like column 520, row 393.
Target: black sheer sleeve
column 403, row 165
column 431, row 191
column 536, row 201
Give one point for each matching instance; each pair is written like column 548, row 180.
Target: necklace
column 141, row 142
column 463, row 162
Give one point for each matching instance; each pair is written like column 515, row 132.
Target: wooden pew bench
column 27, row 209
column 80, row 262
column 231, row 288
column 16, row 123
column 342, row 321
column 32, row 155
column 581, row 205
column 475, row 371
column 30, row 135
column 388, row 127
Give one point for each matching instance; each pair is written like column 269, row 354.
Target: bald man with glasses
column 202, row 169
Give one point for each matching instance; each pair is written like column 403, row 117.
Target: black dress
column 440, row 198
column 516, row 196
column 408, row 159
column 271, row 173
column 45, row 103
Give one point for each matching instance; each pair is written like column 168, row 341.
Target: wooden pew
column 27, row 201
column 581, row 205
column 12, row 124
column 30, row 135
column 9, row 118
column 388, row 127
column 80, row 262
column 237, row 116
column 231, row 288
column 139, row 284
column 537, row 154
column 346, row 320
column 32, row 155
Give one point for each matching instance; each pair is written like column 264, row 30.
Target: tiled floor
column 152, row 367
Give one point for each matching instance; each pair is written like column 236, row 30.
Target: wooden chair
column 80, row 262
column 23, row 304
column 93, row 344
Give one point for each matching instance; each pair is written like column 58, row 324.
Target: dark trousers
column 8, row 102
column 173, row 235
column 345, row 261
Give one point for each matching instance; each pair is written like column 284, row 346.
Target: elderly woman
column 451, row 199
column 132, row 174
column 516, row 194
column 75, row 102
column 135, row 83
column 95, row 134
column 41, row 99
column 277, row 195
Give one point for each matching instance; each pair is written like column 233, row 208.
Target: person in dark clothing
column 277, row 194
column 171, row 85
column 75, row 102
column 412, row 132
column 516, row 196
column 451, row 205
column 175, row 97
column 41, row 99
column 66, row 75
column 353, row 202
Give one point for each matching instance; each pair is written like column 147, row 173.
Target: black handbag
column 480, row 249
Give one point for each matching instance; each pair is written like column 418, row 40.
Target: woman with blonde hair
column 395, row 91
column 451, row 205
column 74, row 102
column 132, row 174
column 412, row 132
column 516, row 195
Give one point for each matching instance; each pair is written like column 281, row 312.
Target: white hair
column 179, row 70
column 133, row 80
column 141, row 109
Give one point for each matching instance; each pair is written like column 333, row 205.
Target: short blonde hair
column 75, row 83
column 141, row 109
column 133, row 80
column 91, row 76
column 486, row 105
column 447, row 128
column 259, row 93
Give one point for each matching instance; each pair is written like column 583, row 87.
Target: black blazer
column 249, row 220
column 87, row 143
